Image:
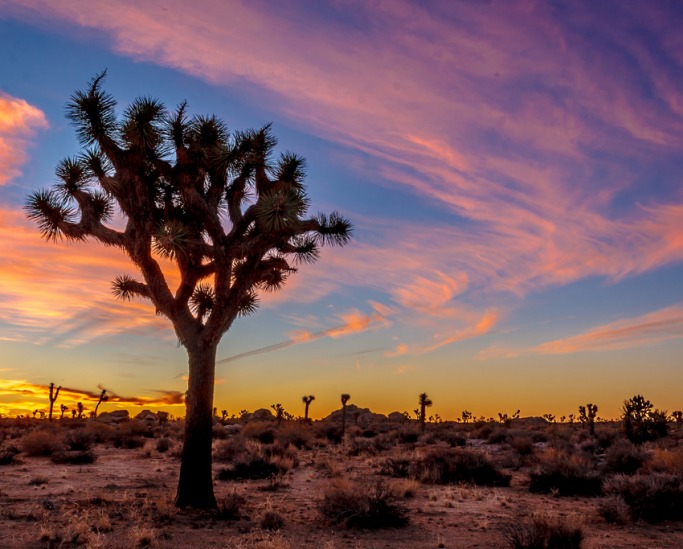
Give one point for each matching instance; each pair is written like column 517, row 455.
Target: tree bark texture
column 195, row 485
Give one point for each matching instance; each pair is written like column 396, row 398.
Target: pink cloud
column 18, row 122
column 61, row 293
column 648, row 329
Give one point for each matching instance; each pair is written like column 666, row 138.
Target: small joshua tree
column 103, row 398
column 224, row 415
column 642, row 422
column 466, row 416
column 344, row 399
column 550, row 418
column 587, row 415
column 73, row 414
column 53, row 397
column 307, row 402
column 677, row 416
column 279, row 412
column 425, row 402
column 63, row 408
column 79, row 407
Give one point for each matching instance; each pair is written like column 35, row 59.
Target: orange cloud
column 354, row 322
column 18, row 122
column 654, row 327
column 60, row 294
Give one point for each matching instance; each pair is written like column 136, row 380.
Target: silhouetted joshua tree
column 642, row 421
column 53, row 396
column 424, row 402
column 224, row 415
column 103, row 398
column 233, row 219
column 677, row 416
column 344, row 399
column 73, row 413
column 466, row 416
column 307, row 401
column 63, row 408
column 587, row 416
column 279, row 412
column 79, row 408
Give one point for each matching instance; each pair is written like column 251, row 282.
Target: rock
column 355, row 416
column 116, row 416
column 147, row 416
column 262, row 414
column 397, row 417
column 232, row 429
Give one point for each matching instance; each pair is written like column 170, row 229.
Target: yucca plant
column 231, row 217
column 344, row 399
column 425, row 402
column 53, row 397
column 307, row 402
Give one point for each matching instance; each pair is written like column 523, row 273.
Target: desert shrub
column 614, row 510
column 482, row 430
column 99, row 432
column 544, row 533
column 356, row 505
column 77, row 439
column 368, row 433
column 408, row 435
column 498, row 435
column 228, row 450
column 327, row 432
column 40, row 443
column 294, row 433
column 263, row 431
column 451, row 466
column 230, row 506
column 7, row 454
column 624, row 457
column 565, row 474
column 258, row 462
column 271, row 520
column 397, row 467
column 163, row 445
column 129, row 435
column 650, row 497
column 666, row 461
column 217, row 432
column 522, row 444
column 73, row 457
column 38, row 481
column 360, row 446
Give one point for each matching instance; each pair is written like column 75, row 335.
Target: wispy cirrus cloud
column 60, row 294
column 534, row 130
column 19, row 121
column 354, row 321
column 648, row 329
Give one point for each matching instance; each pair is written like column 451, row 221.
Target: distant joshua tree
column 73, row 413
column 643, row 422
column 550, row 418
column 587, row 415
column 279, row 412
column 307, row 401
column 466, row 416
column 103, row 398
column 63, row 409
column 79, row 407
column 425, row 402
column 344, row 399
column 224, row 415
column 53, row 396
column 677, row 416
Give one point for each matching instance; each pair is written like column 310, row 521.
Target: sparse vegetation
column 544, row 533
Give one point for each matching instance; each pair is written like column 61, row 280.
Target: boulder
column 397, row 417
column 355, row 416
column 147, row 416
column 116, row 416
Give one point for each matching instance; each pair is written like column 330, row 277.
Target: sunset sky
column 513, row 171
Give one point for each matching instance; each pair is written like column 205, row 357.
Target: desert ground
column 110, row 482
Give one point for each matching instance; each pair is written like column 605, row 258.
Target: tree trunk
column 195, row 485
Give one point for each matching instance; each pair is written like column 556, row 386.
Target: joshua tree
column 103, row 398
column 224, row 415
column 642, row 422
column 425, row 402
column 79, row 407
column 73, row 413
column 307, row 401
column 677, row 415
column 63, row 409
column 344, row 399
column 231, row 217
column 53, row 396
column 466, row 416
column 587, row 416
column 279, row 412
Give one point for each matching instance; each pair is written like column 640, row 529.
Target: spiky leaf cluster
column 232, row 216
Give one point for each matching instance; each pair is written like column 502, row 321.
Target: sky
column 513, row 172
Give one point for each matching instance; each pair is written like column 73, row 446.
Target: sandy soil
column 125, row 498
